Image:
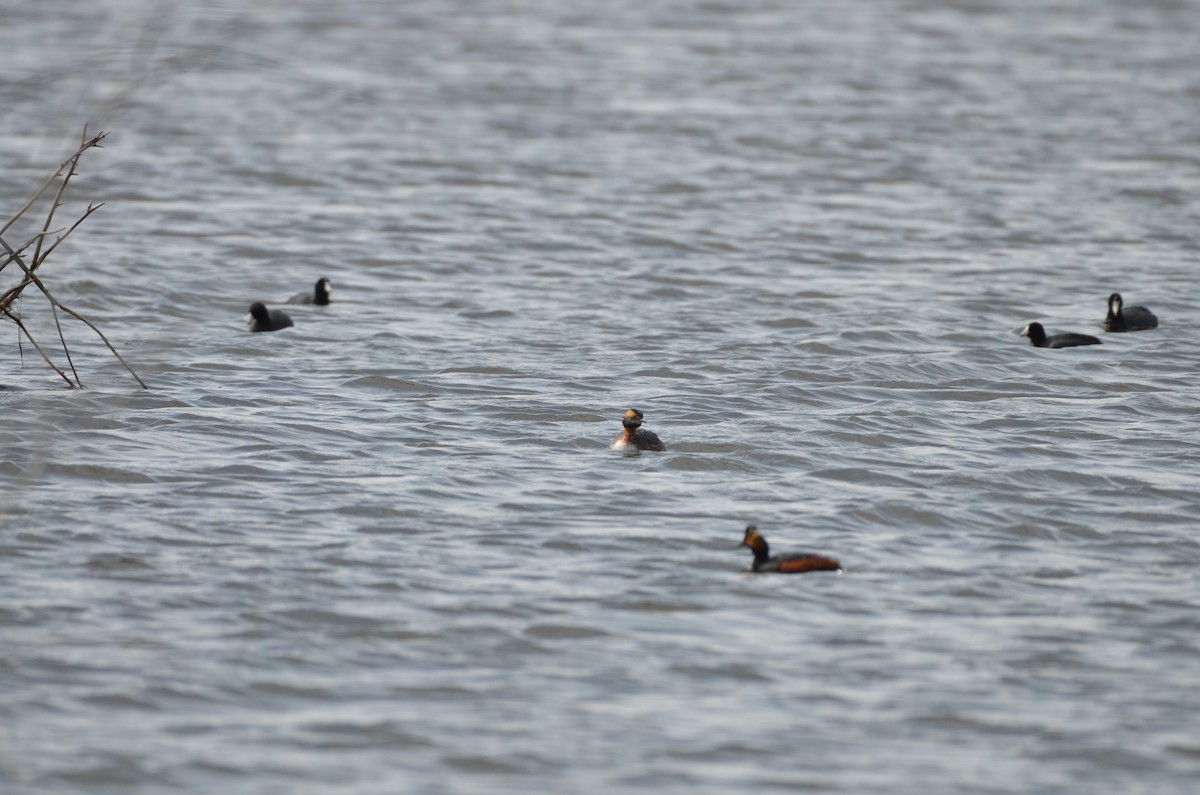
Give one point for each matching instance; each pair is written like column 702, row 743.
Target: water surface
column 388, row 549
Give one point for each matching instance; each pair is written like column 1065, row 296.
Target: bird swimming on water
column 1068, row 339
column 263, row 319
column 635, row 435
column 319, row 296
column 1135, row 318
column 794, row 563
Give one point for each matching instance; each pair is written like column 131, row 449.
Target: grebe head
column 633, row 419
column 755, row 541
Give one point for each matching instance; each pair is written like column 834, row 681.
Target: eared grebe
column 635, row 435
column 1135, row 318
column 319, row 295
column 1068, row 339
column 796, row 563
column 263, row 319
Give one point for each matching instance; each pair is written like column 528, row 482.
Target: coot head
column 322, row 290
column 258, row 315
column 1035, row 332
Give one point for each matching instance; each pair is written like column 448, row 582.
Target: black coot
column 1135, row 318
column 1068, row 339
column 320, row 294
column 263, row 319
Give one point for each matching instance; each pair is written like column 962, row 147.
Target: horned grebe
column 1135, row 318
column 635, row 435
column 1068, row 339
column 319, row 295
column 263, row 319
column 796, row 563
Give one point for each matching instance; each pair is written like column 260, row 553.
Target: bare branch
column 16, row 319
column 33, row 278
column 63, row 340
column 73, row 162
column 13, row 254
column 63, row 236
column 41, row 251
column 100, row 334
column 87, row 144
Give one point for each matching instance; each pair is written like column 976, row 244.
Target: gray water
column 388, row 550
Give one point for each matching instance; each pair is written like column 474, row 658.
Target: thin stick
column 62, row 339
column 63, row 236
column 14, row 255
column 38, row 259
column 100, row 334
column 34, row 279
column 41, row 251
column 29, row 336
column 95, row 141
column 14, row 293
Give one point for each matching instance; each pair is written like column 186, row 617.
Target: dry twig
column 30, row 265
